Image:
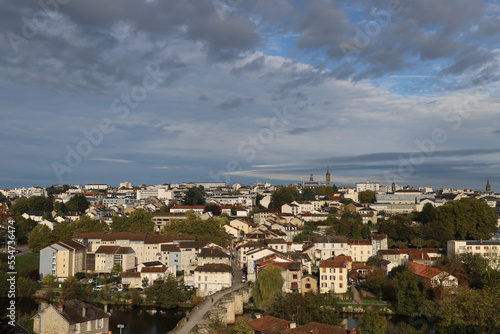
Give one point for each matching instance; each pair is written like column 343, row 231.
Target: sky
column 150, row 91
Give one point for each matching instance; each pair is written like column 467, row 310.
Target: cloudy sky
column 152, row 91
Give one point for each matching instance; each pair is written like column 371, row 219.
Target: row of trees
column 468, row 218
column 211, row 229
column 290, row 193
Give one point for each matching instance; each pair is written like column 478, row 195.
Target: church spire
column 488, row 185
column 328, row 181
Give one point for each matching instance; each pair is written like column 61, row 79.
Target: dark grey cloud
column 231, row 104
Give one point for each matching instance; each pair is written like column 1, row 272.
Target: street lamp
column 120, row 326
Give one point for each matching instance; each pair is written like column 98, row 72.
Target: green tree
column 325, row 190
column 194, row 196
column 141, row 222
column 120, row 224
column 471, row 311
column 3, row 199
column 135, row 297
column 20, row 206
column 48, row 279
column 36, row 203
column 26, row 287
column 408, row 294
column 72, row 289
column 427, row 214
column 117, row 269
column 375, row 281
column 398, row 228
column 468, row 218
column 303, row 309
column 214, row 208
column 166, row 293
column 267, row 287
column 241, row 326
column 306, row 195
column 86, row 224
column 367, row 196
column 234, row 211
column 211, row 229
column 283, row 196
column 346, row 201
column 24, row 227
column 39, row 238
column 60, row 208
column 63, row 231
column 78, row 204
column 372, row 322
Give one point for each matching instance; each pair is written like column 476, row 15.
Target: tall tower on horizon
column 327, row 179
column 488, row 185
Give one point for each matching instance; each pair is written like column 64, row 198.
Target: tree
column 325, row 190
column 26, row 287
column 141, row 222
column 372, row 322
column 427, row 214
column 375, row 281
column 78, row 204
column 86, row 224
column 117, row 269
column 39, row 238
column 214, row 208
column 468, row 218
column 267, row 286
column 24, row 227
column 20, row 206
column 211, row 229
column 48, row 279
column 3, row 199
column 306, row 195
column 166, row 293
column 283, row 196
column 72, row 289
column 471, row 311
column 135, row 297
column 408, row 294
column 307, row 308
column 241, row 326
column 346, row 201
column 63, row 231
column 194, row 196
column 367, row 196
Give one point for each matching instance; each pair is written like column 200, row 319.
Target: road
column 196, row 315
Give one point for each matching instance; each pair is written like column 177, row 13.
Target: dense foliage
column 211, row 229
column 267, row 287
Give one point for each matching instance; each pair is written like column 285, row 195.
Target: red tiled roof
column 214, row 267
column 317, row 328
column 333, row 264
column 132, row 274
column 378, row 236
column 153, row 269
column 269, row 325
column 424, row 271
column 364, row 242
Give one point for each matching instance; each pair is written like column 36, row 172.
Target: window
column 294, row 276
column 324, row 270
column 332, row 278
column 340, row 270
column 341, row 285
column 99, row 324
column 89, row 326
column 308, row 286
column 341, row 278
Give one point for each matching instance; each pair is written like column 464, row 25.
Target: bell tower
column 488, row 185
column 328, row 180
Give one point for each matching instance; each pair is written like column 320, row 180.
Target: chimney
column 106, row 307
column 43, row 305
column 293, row 325
column 60, row 307
column 84, row 312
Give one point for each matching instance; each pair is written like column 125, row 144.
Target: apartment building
column 213, row 277
column 63, row 259
column 333, row 274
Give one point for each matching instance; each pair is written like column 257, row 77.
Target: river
column 135, row 320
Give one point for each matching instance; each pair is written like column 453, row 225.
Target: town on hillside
column 306, row 252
